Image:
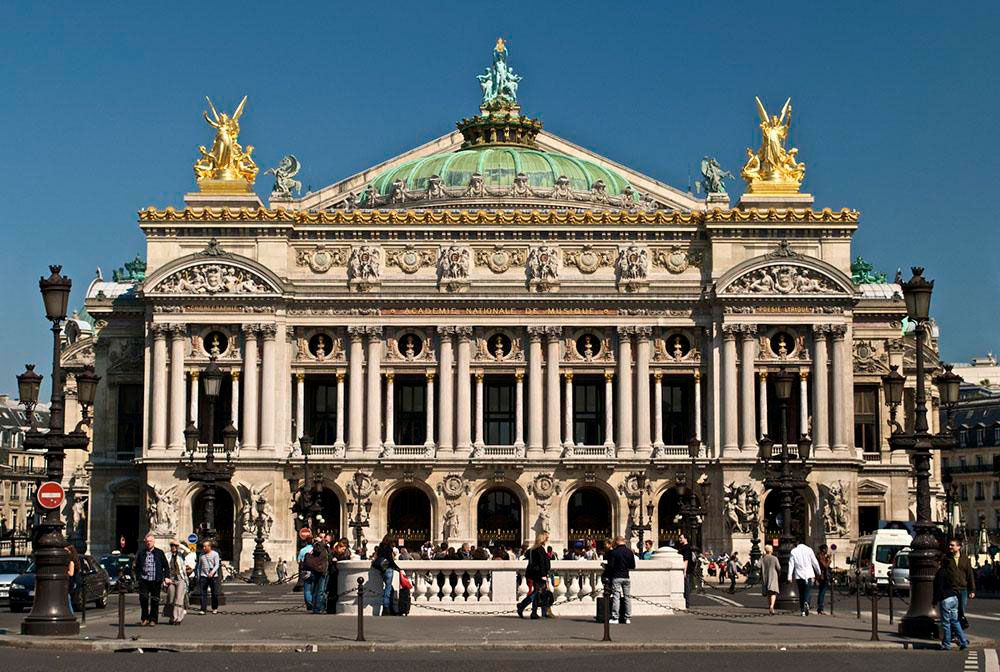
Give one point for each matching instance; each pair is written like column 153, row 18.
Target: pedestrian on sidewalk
column 946, row 597
column 209, row 567
column 803, row 568
column 824, row 578
column 74, row 574
column 684, row 548
column 306, row 535
column 385, row 562
column 733, row 569
column 965, row 577
column 618, row 563
column 769, row 568
column 177, row 583
column 281, row 570
column 317, row 561
column 151, row 569
column 536, row 575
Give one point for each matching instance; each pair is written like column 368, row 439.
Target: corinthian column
column 178, row 393
column 625, row 401
column 657, row 410
column 193, row 401
column 609, row 413
column 234, row 406
column 729, row 405
column 748, row 406
column 697, row 405
column 340, row 411
column 821, row 388
column 446, row 389
column 568, row 394
column 463, row 390
column 642, row 347
column 429, row 443
column 268, row 387
column 803, row 402
column 762, row 402
column 390, row 409
column 373, row 440
column 250, row 385
column 553, row 444
column 300, row 404
column 480, row 440
column 839, row 331
column 159, row 435
column 535, row 400
column 519, row 409
column 356, row 363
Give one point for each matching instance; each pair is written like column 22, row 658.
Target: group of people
column 177, row 571
column 318, row 560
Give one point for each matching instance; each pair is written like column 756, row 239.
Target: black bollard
column 874, row 613
column 121, row 607
column 833, row 591
column 361, row 610
column 890, row 595
column 857, row 589
column 83, row 601
column 607, row 610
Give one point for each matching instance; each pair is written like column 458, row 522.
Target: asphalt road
column 910, row 661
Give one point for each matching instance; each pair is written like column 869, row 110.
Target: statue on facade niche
column 227, row 160
column 498, row 82
column 284, row 173
column 835, row 510
column 713, row 176
column 450, row 528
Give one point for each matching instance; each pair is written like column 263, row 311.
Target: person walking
column 618, row 563
column 733, row 569
column 209, row 567
column 769, row 568
column 151, row 569
column 946, row 597
column 281, row 570
column 74, row 574
column 385, row 562
column 536, row 575
column 306, row 535
column 684, row 548
column 803, row 568
column 177, row 583
column 317, row 561
column 965, row 576
column 824, row 578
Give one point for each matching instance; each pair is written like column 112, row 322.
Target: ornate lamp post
column 358, row 511
column 921, row 617
column 50, row 614
column 786, row 477
column 692, row 508
column 258, row 575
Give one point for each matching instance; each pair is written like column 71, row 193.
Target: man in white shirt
column 803, row 568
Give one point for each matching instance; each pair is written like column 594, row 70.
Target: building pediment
column 212, row 273
column 784, row 273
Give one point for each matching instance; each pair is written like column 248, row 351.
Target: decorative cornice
column 787, row 215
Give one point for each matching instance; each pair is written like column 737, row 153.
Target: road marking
column 972, row 662
column 984, row 617
column 992, row 663
column 727, row 601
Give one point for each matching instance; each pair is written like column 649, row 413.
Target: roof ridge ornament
column 499, row 121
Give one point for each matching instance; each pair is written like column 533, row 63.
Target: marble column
column 642, row 355
column 463, row 390
column 519, row 409
column 535, row 397
column 840, row 370
column 446, row 388
column 268, row 387
column 373, row 393
column 355, row 362
column 553, row 443
column 390, row 410
column 762, row 402
column 657, row 411
column 178, row 389
column 193, row 398
column 568, row 410
column 748, row 405
column 300, row 404
column 250, row 332
column 159, row 435
column 697, row 405
column 803, row 402
column 234, row 406
column 480, row 439
column 625, row 400
column 609, row 412
column 429, row 443
column 730, row 422
column 821, row 388
column 340, row 411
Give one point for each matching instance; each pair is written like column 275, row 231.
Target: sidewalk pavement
column 709, row 628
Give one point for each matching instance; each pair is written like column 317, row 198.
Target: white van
column 873, row 555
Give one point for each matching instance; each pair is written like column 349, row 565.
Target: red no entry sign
column 50, row 495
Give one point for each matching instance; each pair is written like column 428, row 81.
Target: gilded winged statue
column 773, row 168
column 226, row 160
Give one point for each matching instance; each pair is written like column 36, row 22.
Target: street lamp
column 786, row 478
column 258, row 576
column 921, row 617
column 50, row 614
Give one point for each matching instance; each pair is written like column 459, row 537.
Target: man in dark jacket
column 150, row 569
column 964, row 577
column 946, row 599
column 618, row 563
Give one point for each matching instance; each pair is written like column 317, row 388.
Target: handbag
column 404, row 581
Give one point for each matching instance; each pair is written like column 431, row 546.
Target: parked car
column 22, row 589
column 901, row 571
column 873, row 556
column 119, row 568
column 10, row 569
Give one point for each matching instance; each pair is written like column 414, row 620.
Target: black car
column 22, row 590
column 119, row 569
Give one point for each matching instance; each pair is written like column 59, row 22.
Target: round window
column 499, row 346
column 319, row 346
column 678, row 346
column 782, row 344
column 216, row 343
column 410, row 346
column 588, row 346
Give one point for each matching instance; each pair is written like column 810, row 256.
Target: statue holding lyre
column 226, row 166
column 773, row 169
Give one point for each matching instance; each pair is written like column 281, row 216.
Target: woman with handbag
column 177, row 583
column 537, row 577
column 385, row 562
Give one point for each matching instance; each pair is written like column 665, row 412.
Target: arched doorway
column 670, row 525
column 498, row 519
column 330, row 514
column 224, row 518
column 410, row 517
column 588, row 515
column 773, row 516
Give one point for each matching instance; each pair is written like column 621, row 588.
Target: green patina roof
column 499, row 166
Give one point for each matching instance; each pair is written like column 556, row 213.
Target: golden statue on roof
column 500, row 44
column 226, row 167
column 773, row 169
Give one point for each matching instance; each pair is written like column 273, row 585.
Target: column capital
column 341, row 376
column 250, row 330
column 519, row 375
column 609, row 376
column 446, row 331
column 553, row 333
column 269, row 331
column 373, row 331
column 729, row 331
column 479, row 376
column 803, row 375
column 748, row 331
column 160, row 330
column 430, row 375
column 390, row 375
column 568, row 375
column 235, row 375
column 763, row 374
column 658, row 375
column 626, row 330
column 821, row 329
column 196, row 373
column 357, row 333
column 464, row 333
column 697, row 376
column 643, row 333
column 839, row 331
column 178, row 330
column 300, row 377
column 535, row 333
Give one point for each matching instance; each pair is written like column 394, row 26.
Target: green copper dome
column 498, row 166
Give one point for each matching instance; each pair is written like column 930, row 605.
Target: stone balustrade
column 485, row 586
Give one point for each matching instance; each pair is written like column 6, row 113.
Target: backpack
column 317, row 561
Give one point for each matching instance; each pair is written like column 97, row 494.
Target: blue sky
column 895, row 114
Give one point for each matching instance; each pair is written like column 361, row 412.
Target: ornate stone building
column 497, row 330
